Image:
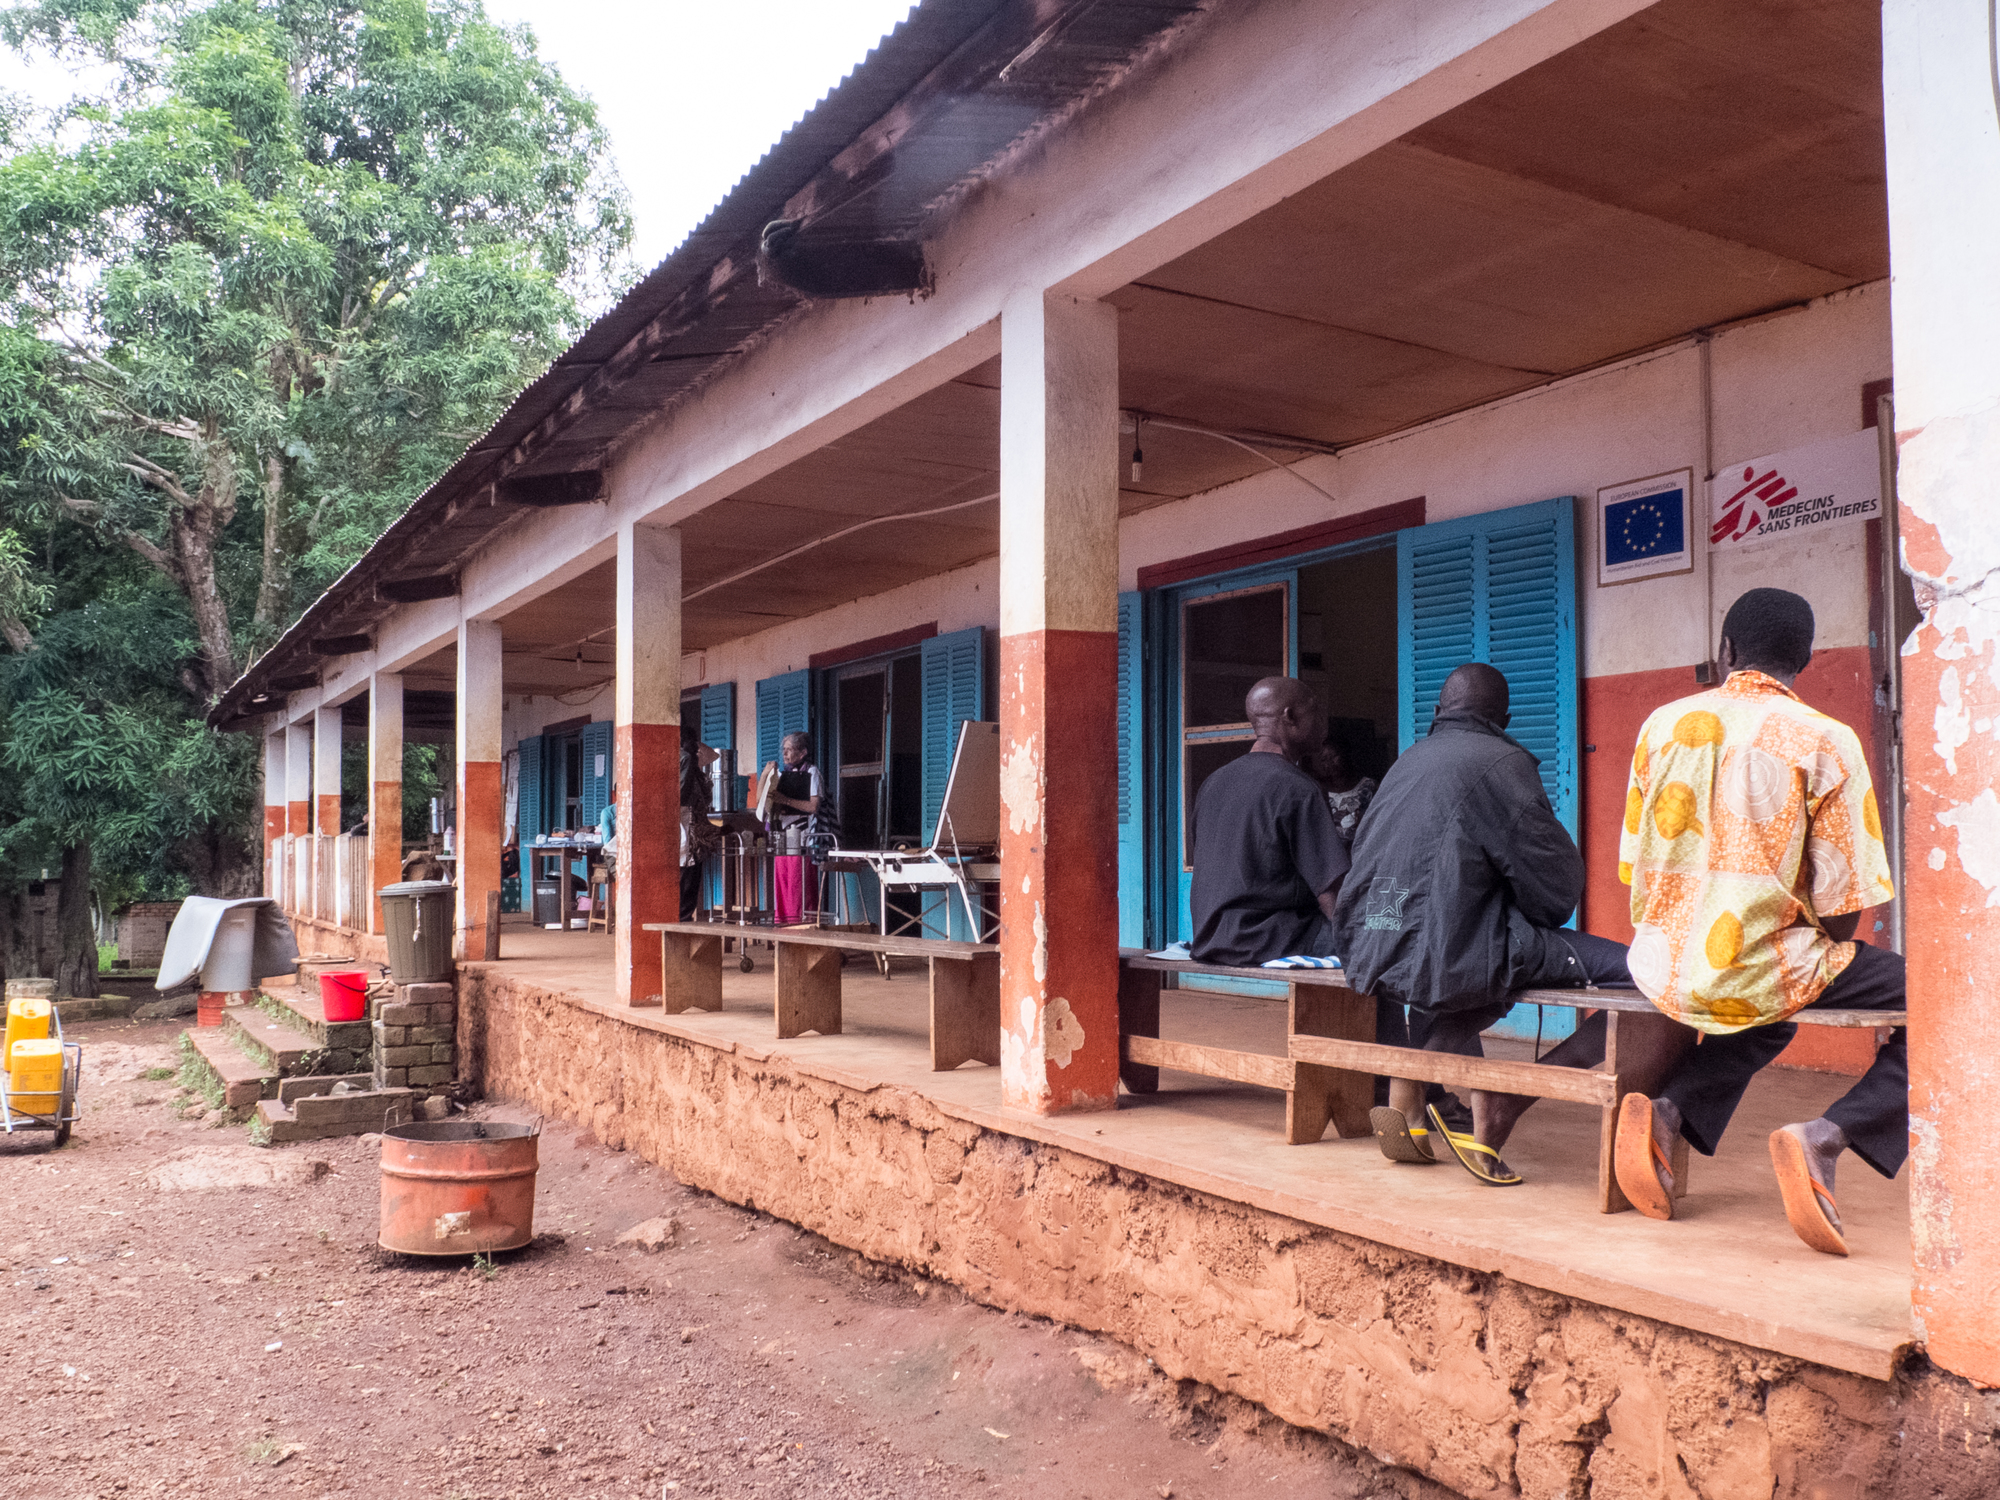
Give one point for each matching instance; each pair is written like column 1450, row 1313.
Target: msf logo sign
column 1744, row 511
column 1385, row 905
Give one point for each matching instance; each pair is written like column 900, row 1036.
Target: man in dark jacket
column 1461, row 881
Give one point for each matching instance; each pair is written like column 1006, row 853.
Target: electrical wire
column 917, row 515
column 1170, row 423
column 821, row 541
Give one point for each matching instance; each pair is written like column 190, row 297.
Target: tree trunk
column 76, row 964
column 271, row 585
column 193, row 532
column 17, row 951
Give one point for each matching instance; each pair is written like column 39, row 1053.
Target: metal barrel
column 458, row 1187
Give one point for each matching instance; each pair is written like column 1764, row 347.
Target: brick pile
column 416, row 1037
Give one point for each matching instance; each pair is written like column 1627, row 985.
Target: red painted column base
column 479, row 831
column 646, row 771
column 385, row 845
column 1059, row 870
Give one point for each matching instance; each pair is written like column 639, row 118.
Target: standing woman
column 795, row 805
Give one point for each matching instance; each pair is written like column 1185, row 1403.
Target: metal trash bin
column 417, row 919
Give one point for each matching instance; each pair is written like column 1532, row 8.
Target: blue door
column 1499, row 588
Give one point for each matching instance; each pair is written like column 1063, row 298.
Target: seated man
column 1462, row 880
column 1267, row 858
column 1751, row 844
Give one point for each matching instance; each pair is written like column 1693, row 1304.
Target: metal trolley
column 13, row 1120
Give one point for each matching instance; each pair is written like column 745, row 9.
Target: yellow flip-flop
column 1482, row 1162
column 1399, row 1139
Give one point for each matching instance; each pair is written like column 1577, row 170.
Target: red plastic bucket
column 343, row 994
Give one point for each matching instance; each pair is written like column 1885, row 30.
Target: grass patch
column 196, row 1076
column 483, row 1264
column 154, row 1075
column 260, row 1133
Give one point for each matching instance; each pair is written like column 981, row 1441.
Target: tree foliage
column 255, row 294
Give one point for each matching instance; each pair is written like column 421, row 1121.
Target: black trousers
column 690, row 891
column 1875, row 1113
column 1569, row 959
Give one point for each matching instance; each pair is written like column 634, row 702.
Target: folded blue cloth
column 1301, row 961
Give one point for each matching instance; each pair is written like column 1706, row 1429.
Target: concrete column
column 646, row 755
column 1058, row 703
column 274, row 805
column 298, row 778
column 326, row 771
column 385, row 788
column 1944, row 219
column 479, row 779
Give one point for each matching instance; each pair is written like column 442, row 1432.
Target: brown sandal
column 1637, row 1158
column 1802, row 1192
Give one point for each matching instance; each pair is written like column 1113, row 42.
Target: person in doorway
column 697, row 833
column 1752, row 844
column 1348, row 793
column 1462, row 880
column 1268, row 860
column 795, row 802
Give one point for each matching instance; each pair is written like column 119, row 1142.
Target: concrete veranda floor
column 1729, row 1265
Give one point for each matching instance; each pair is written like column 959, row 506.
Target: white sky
column 691, row 92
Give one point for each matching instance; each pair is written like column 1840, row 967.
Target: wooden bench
column 1337, row 1040
column 964, row 981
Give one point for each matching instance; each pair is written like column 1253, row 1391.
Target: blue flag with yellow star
column 1644, row 526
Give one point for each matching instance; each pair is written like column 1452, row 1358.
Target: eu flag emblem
column 1642, row 527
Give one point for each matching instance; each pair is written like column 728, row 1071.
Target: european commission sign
column 1796, row 495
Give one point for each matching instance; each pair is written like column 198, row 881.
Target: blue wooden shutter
column 718, row 716
column 783, row 707
column 954, row 668
column 594, row 745
column 1131, row 775
column 1499, row 588
column 530, row 826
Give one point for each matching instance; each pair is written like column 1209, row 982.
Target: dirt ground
column 188, row 1314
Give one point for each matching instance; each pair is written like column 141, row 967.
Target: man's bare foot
column 1495, row 1115
column 1804, row 1157
column 1407, row 1097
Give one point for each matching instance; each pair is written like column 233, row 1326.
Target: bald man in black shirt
column 1268, row 859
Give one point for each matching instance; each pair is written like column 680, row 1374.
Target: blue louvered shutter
column 954, row 669
column 1499, row 588
column 594, row 745
column 529, row 825
column 783, row 707
column 1131, row 774
column 718, row 716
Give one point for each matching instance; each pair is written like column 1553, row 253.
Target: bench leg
column 690, row 972
column 1642, row 1051
column 1138, row 1015
column 965, row 1011
column 808, row 989
column 1332, row 1095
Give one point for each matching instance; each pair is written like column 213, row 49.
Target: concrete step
column 300, row 1008
column 242, row 1080
column 321, row 1083
column 318, row 1117
column 282, row 1048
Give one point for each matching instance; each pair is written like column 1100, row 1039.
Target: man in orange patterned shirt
column 1752, row 844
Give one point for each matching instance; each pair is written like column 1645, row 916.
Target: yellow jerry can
column 34, row 1082
column 27, row 1018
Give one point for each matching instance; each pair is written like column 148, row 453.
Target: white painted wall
column 521, row 715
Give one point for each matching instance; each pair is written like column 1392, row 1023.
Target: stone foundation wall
column 1487, row 1386
column 416, row 1037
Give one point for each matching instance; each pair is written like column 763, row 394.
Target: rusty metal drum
column 458, row 1187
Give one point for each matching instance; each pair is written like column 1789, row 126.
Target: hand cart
column 65, row 1115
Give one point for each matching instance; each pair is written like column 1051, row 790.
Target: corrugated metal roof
column 945, row 94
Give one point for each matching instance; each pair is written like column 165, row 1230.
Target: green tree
column 283, row 274
column 255, row 294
